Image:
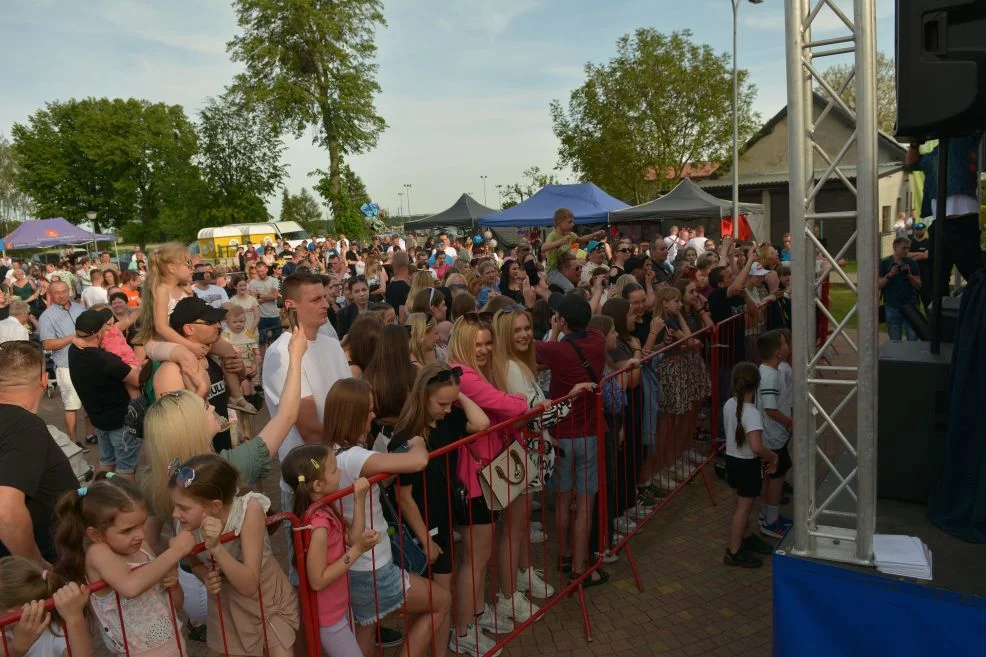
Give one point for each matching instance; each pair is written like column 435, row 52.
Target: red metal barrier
column 501, row 553
column 275, row 520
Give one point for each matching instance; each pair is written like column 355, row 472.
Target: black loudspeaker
column 941, row 68
column 913, row 419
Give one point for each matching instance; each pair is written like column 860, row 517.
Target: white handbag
column 504, row 479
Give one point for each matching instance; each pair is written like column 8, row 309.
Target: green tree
column 128, row 160
column 240, row 159
column 310, row 65
column 534, row 180
column 347, row 218
column 15, row 206
column 660, row 104
column 886, row 88
column 303, row 208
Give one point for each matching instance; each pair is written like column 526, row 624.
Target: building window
column 886, row 221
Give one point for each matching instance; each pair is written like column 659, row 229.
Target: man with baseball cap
column 199, row 322
column 576, row 362
column 595, row 257
column 100, row 379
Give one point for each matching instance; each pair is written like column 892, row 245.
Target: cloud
column 827, row 20
column 170, row 28
column 491, row 17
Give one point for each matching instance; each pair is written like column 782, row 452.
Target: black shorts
column 783, row 462
column 745, row 475
column 443, row 564
column 476, row 513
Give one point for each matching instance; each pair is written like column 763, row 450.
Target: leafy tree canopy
column 303, row 208
column 533, row 180
column 347, row 218
column 886, row 88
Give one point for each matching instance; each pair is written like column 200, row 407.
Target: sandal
column 591, row 580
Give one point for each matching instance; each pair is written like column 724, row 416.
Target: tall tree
column 15, row 205
column 310, row 64
column 886, row 88
column 660, row 104
column 303, row 208
column 129, row 160
column 347, row 218
column 240, row 158
column 533, row 180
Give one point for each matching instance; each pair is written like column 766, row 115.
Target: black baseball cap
column 193, row 309
column 91, row 321
column 573, row 308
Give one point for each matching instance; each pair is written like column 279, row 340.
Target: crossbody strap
column 585, row 362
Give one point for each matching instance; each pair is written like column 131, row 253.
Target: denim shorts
column 577, row 465
column 119, row 447
column 373, row 594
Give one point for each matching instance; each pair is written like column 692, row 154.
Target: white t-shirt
column 213, row 295
column 350, row 463
column 751, row 422
column 786, row 403
column 11, row 330
column 47, row 645
column 263, row 288
column 698, row 243
column 322, row 365
column 775, row 436
column 92, row 295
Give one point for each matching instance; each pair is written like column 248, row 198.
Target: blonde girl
column 99, row 533
column 376, row 277
column 24, row 586
column 377, row 585
column 424, row 339
column 313, row 474
column 206, row 500
column 421, row 280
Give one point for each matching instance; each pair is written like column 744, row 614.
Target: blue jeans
column 895, row 322
column 118, row 448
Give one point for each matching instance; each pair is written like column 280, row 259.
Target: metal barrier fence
column 647, row 448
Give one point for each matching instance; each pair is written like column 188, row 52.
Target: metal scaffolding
column 837, row 522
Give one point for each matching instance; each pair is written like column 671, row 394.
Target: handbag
column 541, row 456
column 504, row 479
column 402, row 542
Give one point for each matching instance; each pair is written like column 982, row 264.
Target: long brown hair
column 390, row 372
column 618, row 309
column 94, row 506
column 215, row 479
column 23, row 580
column 159, row 263
column 503, row 335
column 414, row 416
column 746, row 378
column 302, row 467
column 346, row 408
column 362, row 340
column 420, row 324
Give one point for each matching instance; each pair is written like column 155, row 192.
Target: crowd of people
column 369, row 357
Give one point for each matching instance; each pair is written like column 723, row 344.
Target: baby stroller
column 83, row 471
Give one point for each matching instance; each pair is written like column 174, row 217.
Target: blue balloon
column 477, row 239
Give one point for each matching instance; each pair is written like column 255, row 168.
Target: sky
column 466, row 84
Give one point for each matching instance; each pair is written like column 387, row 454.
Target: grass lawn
column 841, row 299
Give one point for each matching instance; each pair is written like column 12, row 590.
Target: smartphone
column 292, row 318
column 532, row 272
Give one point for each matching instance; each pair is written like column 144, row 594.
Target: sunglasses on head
column 181, row 474
column 445, row 376
column 474, row 317
column 513, row 308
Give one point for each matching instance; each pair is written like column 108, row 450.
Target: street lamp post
column 91, row 216
column 484, row 190
column 736, row 4
column 400, row 203
column 407, row 193
column 499, row 196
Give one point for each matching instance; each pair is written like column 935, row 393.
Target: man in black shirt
column 920, row 250
column 399, row 285
column 34, row 472
column 100, row 379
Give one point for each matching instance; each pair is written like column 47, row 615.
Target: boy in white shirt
column 777, row 427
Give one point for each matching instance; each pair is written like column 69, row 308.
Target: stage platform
column 825, row 608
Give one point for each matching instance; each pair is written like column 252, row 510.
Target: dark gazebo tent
column 463, row 214
column 690, row 205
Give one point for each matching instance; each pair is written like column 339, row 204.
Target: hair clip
column 174, row 465
column 44, row 575
column 110, row 475
column 301, row 479
column 315, row 464
column 81, row 492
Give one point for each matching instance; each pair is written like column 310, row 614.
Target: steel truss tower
column 837, row 525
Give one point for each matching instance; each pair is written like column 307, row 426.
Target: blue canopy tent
column 588, row 203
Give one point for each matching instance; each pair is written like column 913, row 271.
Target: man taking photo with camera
column 900, row 280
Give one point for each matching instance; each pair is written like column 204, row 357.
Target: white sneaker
column 536, row 524
column 625, row 525
column 532, row 581
column 535, row 504
column 609, row 557
column 498, row 624
column 517, row 607
column 474, row 643
column 456, row 537
column 537, row 536
column 694, row 456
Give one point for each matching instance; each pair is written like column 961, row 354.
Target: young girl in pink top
column 471, row 348
column 312, row 471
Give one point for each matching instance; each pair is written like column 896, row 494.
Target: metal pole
column 802, row 268
column 484, row 191
column 736, row 231
column 867, row 253
column 939, row 281
column 407, row 189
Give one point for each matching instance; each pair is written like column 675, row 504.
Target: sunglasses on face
column 180, row 474
column 445, row 376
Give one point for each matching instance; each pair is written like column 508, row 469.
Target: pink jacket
column 499, row 406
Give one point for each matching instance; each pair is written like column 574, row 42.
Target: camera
column 198, row 276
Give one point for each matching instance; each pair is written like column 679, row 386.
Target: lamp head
column 91, row 215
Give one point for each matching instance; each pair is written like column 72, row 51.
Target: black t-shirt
column 898, row 291
column 722, row 308
column 33, row 463
column 516, row 295
column 923, row 246
column 613, row 277
column 437, row 478
column 219, row 399
column 97, row 376
column 346, row 316
column 397, row 292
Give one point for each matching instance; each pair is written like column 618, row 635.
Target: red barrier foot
column 633, row 566
column 708, row 484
